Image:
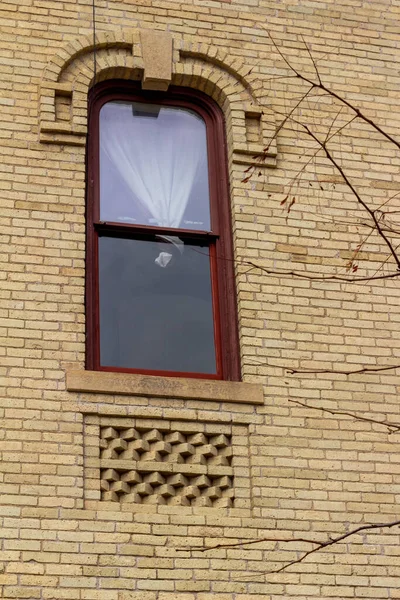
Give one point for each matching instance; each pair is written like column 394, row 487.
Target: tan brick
column 299, row 473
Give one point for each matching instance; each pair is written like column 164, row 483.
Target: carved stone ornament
column 131, row 461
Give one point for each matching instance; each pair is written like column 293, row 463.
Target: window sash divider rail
column 104, row 227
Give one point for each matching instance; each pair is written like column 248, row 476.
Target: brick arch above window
column 155, row 59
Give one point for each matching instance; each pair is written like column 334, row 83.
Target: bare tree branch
column 329, row 136
column 392, row 427
column 383, row 229
column 375, row 215
column 353, row 372
column 312, row 60
column 319, row 544
column 323, row 87
column 339, row 168
column 380, row 223
column 332, row 541
column 301, row 275
column 287, row 118
column 282, row 55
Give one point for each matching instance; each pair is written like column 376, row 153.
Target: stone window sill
column 127, row 384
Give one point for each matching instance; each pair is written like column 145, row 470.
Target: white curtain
column 157, row 156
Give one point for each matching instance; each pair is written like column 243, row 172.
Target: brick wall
column 295, row 472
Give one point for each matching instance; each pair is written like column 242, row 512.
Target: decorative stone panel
column 178, row 463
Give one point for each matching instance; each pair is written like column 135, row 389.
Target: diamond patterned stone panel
column 166, row 446
column 163, row 465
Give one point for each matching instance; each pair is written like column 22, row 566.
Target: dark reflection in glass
column 156, row 305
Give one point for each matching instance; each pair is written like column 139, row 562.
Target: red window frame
column 219, row 239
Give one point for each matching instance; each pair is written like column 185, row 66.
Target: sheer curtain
column 157, row 151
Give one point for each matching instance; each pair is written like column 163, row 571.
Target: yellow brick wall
column 300, row 473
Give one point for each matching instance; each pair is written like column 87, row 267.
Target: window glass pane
column 155, row 305
column 153, row 166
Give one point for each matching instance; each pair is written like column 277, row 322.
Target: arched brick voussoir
column 226, row 79
column 112, row 62
column 85, row 82
column 232, row 65
column 79, row 47
column 76, row 55
column 212, row 80
column 209, row 83
column 237, row 104
column 70, row 74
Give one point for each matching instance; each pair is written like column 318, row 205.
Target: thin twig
column 340, row 169
column 392, row 427
column 298, row 274
column 324, row 88
column 333, row 541
column 319, row 544
column 287, row 118
column 353, row 372
column 282, row 55
column 312, row 60
column 331, row 126
column 319, row 277
column 330, row 136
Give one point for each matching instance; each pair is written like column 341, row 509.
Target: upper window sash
column 153, row 166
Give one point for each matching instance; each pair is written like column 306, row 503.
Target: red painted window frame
column 219, row 238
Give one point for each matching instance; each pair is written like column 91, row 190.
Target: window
column 160, row 282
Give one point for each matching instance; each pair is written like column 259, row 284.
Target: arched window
column 160, row 288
